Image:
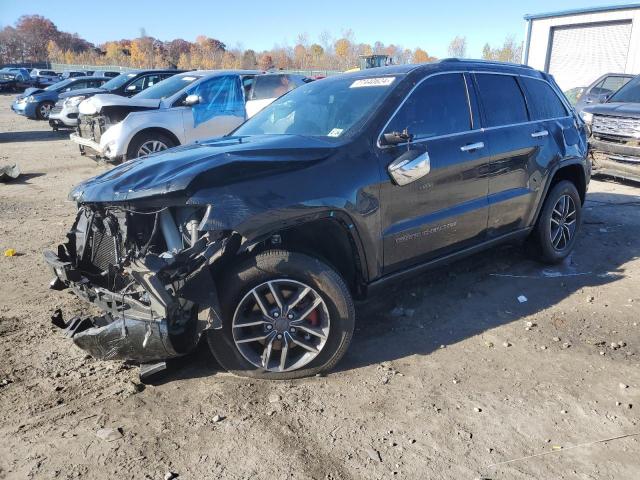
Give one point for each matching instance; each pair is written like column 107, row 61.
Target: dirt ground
column 448, row 376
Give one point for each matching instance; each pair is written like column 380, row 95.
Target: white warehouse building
column 578, row 46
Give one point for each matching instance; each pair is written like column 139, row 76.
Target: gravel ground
column 449, row 375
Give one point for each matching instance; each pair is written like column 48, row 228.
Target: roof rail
column 488, row 62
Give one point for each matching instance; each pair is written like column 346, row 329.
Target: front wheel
column 285, row 315
column 148, row 143
column 43, row 110
column 556, row 230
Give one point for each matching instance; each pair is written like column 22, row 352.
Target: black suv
column 615, row 139
column 261, row 239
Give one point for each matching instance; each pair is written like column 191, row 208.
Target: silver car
column 181, row 110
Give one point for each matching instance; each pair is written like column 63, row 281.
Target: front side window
column 219, row 96
column 330, row 108
column 630, row 93
column 118, row 81
column 438, row 106
column 502, row 100
column 542, row 100
column 610, row 85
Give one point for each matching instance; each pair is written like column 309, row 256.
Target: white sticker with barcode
column 373, row 82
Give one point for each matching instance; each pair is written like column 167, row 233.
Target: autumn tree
column 511, row 51
column 420, row 56
column 176, row 49
column 265, row 61
column 249, row 60
column 458, row 47
column 36, row 32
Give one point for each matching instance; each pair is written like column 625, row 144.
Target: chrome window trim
column 472, row 130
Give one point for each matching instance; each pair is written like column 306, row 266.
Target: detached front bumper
column 616, row 159
column 129, row 329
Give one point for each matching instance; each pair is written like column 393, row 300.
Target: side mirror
column 191, row 100
column 396, row 138
column 409, row 167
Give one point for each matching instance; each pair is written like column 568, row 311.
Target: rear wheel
column 555, row 233
column 285, row 315
column 148, row 143
column 43, row 110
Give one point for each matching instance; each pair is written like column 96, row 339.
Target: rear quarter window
column 502, row 99
column 271, row 86
column 543, row 102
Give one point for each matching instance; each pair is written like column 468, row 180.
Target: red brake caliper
column 314, row 321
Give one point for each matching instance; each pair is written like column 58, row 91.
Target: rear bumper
column 617, row 160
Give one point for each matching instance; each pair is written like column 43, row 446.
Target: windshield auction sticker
column 335, row 132
column 373, row 82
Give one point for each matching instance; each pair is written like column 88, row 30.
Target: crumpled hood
column 96, row 103
column 219, row 162
column 616, row 109
column 87, row 92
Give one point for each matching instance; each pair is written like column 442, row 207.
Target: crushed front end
column 148, row 271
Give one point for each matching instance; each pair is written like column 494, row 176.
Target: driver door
column 443, row 207
column 219, row 110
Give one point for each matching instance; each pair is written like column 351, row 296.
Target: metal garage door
column 581, row 53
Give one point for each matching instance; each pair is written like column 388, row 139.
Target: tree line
column 34, row 38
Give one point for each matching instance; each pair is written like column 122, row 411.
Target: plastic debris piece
column 9, row 172
column 522, row 299
column 10, row 252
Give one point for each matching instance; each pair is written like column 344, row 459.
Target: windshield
column 118, row 81
column 58, row 85
column 167, row 87
column 324, row 108
column 630, row 93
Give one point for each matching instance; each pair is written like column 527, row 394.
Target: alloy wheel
column 563, row 222
column 44, row 110
column 281, row 325
column 151, row 146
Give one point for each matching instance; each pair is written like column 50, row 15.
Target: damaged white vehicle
column 181, row 110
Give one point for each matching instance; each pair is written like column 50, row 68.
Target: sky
column 261, row 24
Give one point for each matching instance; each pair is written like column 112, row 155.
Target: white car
column 181, row 110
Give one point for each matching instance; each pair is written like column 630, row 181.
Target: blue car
column 37, row 103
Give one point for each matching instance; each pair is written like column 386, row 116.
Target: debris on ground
column 109, row 434
column 10, row 252
column 522, row 299
column 9, row 172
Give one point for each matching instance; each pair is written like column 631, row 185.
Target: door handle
column 472, row 147
column 541, row 133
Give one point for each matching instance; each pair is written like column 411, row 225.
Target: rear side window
column 610, row 85
column 542, row 100
column 438, row 106
column 271, row 86
column 502, row 100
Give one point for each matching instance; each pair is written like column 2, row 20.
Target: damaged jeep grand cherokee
column 260, row 240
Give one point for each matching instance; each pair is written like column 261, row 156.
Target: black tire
column 43, row 109
column 148, row 137
column 280, row 264
column 541, row 239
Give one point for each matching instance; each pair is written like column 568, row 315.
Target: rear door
column 221, row 108
column 519, row 148
column 445, row 209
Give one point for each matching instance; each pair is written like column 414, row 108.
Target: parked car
column 37, row 103
column 65, row 111
column 615, row 133
column 44, row 78
column 72, row 74
column 600, row 90
column 103, row 73
column 261, row 239
column 184, row 109
column 14, row 79
column 266, row 88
